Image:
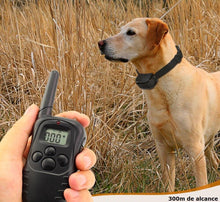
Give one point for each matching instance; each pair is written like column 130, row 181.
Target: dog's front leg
column 211, row 155
column 197, row 154
column 167, row 161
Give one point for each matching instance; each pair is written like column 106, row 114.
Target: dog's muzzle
column 102, row 46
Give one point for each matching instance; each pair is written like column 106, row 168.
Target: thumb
column 15, row 140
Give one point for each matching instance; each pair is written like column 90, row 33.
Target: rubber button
column 48, row 164
column 62, row 160
column 37, row 156
column 50, row 151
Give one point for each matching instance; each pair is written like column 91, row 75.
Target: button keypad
column 48, row 164
column 37, row 156
column 49, row 159
column 62, row 160
column 50, row 151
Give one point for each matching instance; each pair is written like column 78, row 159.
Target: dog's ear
column 157, row 30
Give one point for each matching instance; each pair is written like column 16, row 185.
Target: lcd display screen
column 56, row 136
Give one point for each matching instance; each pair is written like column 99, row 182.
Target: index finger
column 81, row 118
column 16, row 138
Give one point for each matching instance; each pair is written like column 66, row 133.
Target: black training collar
column 149, row 81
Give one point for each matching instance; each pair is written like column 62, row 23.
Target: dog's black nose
column 102, row 45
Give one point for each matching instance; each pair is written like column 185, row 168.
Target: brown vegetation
column 58, row 34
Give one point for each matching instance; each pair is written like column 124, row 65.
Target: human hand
column 14, row 148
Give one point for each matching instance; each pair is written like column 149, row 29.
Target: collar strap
column 149, row 81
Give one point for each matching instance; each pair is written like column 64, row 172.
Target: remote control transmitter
column 51, row 160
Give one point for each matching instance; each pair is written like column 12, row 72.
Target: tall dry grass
column 38, row 37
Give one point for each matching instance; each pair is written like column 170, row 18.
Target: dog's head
column 136, row 39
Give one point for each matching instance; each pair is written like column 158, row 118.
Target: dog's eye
column 130, row 32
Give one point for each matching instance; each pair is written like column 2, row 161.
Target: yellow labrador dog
column 183, row 101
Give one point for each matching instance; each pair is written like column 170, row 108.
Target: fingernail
column 29, row 109
column 87, row 162
column 81, row 180
column 71, row 194
column 74, row 194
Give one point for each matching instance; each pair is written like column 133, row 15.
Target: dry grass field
column 38, row 36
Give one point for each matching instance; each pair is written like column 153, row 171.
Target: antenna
column 49, row 94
